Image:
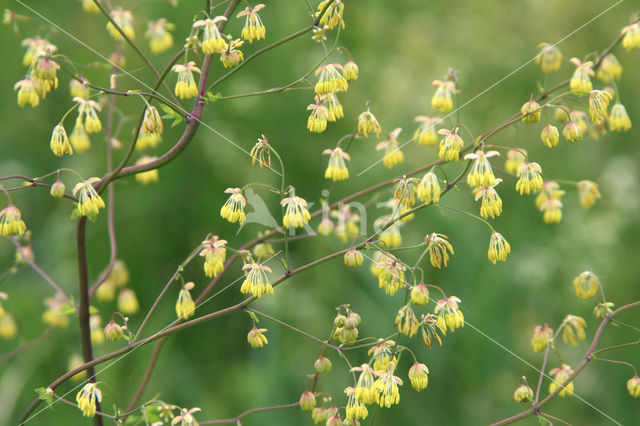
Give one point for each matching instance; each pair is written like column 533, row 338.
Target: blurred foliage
column 400, row 46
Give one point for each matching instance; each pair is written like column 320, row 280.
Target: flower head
column 233, row 208
column 330, row 80
column 586, row 284
column 212, row 40
column 481, row 173
column 610, row 69
column 631, row 38
column 87, row 399
column 572, row 131
column 387, row 386
column 550, row 136
column 405, row 190
column 28, row 93
column 420, row 294
column 185, row 418
column 45, row 71
column 355, row 409
column 11, row 222
column 185, row 307
column 448, row 314
column 256, row 281
column 549, row 58
column 491, row 204
column 296, row 213
column 581, row 80
column 450, row 145
column 390, row 273
column 89, row 202
column 428, row 190
column 419, row 376
column 515, row 157
column 332, row 16
column 8, row 326
column 633, row 386
column 367, row 123
column 561, row 375
column 523, row 393
column 499, row 248
column 307, row 401
column 337, row 169
column 160, row 39
column 124, row 19
column 426, row 132
column 619, row 119
column 261, row 153
column 598, row 104
column 442, row 99
column 430, row 327
column 87, row 109
column 350, row 71
column 588, row 193
column 253, row 26
column 79, row 137
column 573, row 329
column 256, row 337
column 529, row 179
column 392, row 154
column 79, row 88
column 317, row 121
column 439, row 248
column 331, row 102
column 186, row 85
column 406, row 321
column 364, row 390
column 152, row 123
column 214, row 252
column 542, row 336
column 353, row 258
column 531, row 111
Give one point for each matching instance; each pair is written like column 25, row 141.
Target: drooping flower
column 337, row 169
column 27, row 92
column 515, row 157
column 430, row 327
column 499, row 248
column 581, row 79
column 631, row 38
column 317, row 121
column 420, row 294
column 232, row 55
column 233, row 208
column 79, row 88
column 572, row 131
column 353, row 258
column 573, row 330
column 296, row 213
column 549, row 58
column 633, row 386
column 387, row 386
column 124, row 19
column 531, row 111
column 365, row 391
column 392, row 154
column 586, row 285
column 426, row 131
column 523, row 393
column 79, row 137
column 406, row 321
column 256, row 337
column 405, row 191
column 598, row 104
column 610, row 69
column 350, row 71
column 253, row 26
column 214, row 252
column 160, row 39
column 256, row 281
column 186, row 85
column 442, row 99
column 439, row 248
column 185, row 306
column 87, row 399
column 550, row 136
column 390, row 273
column 619, row 119
column 128, row 302
column 332, row 15
column 491, row 204
column 561, row 375
column 481, row 173
column 588, row 193
column 367, row 123
column 212, row 40
column 449, row 316
column 11, row 222
column 150, row 176
column 331, row 102
column 419, row 376
column 89, row 202
column 355, row 409
column 87, row 110
column 450, row 145
column 542, row 336
column 428, row 190
column 529, row 179
column 330, row 80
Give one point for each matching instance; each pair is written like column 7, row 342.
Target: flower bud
column 334, row 421
column 586, row 285
column 339, row 321
column 602, row 309
column 353, row 258
column 350, row 71
column 352, row 321
column 541, row 338
column 531, row 111
column 523, row 394
column 420, row 294
column 633, row 386
column 256, row 338
column 113, row 331
column 322, row 365
column 57, row 189
column 550, row 136
column 307, row 401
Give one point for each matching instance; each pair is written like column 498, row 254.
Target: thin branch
column 237, row 418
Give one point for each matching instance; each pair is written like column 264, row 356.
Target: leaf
column 44, row 395
column 210, row 97
column 170, row 114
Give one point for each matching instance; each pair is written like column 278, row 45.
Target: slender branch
column 542, row 370
column 237, row 418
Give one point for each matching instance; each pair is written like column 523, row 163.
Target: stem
column 237, row 418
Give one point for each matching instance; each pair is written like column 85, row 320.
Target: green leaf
column 210, row 97
column 170, row 114
column 43, row 395
column 93, row 310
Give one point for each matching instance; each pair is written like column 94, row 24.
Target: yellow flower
column 561, row 375
column 491, row 205
column 598, row 104
column 261, row 153
column 76, row 361
column 256, row 281
column 186, row 85
column 353, row 258
column 387, row 386
column 442, row 100
column 572, row 132
column 8, row 327
column 389, row 235
column 256, row 337
column 296, row 213
column 588, row 193
column 364, row 390
column 233, row 208
column 420, row 294
column 106, row 292
column 331, row 102
column 27, row 93
column 124, row 19
column 212, row 40
column 550, row 136
column 147, row 177
column 552, row 208
column 325, row 227
column 586, row 285
column 307, row 401
column 515, row 157
column 253, row 26
column 450, row 145
column 56, row 314
column 347, row 223
column 45, row 71
column 392, row 154
column 426, row 132
column 330, row 80
column 152, row 123
column 87, row 398
column 333, row 15
column 529, row 179
column 89, row 6
column 337, row 169
column 499, row 248
column 405, row 190
column 428, row 189
column 523, row 393
column 449, row 316
column 185, row 307
column 419, row 376
column 232, row 55
column 381, row 354
column 610, row 69
column 581, row 81
column 367, row 123
column 561, row 115
column 186, row 417
column 128, row 302
column 573, row 330
column 215, row 253
column 633, row 386
column 79, row 137
column 87, row 109
column 11, row 222
column 619, row 119
column 549, row 58
column 355, row 409
column 631, row 38
column 531, row 111
column 390, row 273
column 430, row 328
column 89, row 202
column 160, row 39
column 350, row 71
column 439, row 249
column 406, row 321
column 317, row 121
column 79, row 88
column 481, row 173
column 542, row 336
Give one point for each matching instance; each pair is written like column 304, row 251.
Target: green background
column 400, row 46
